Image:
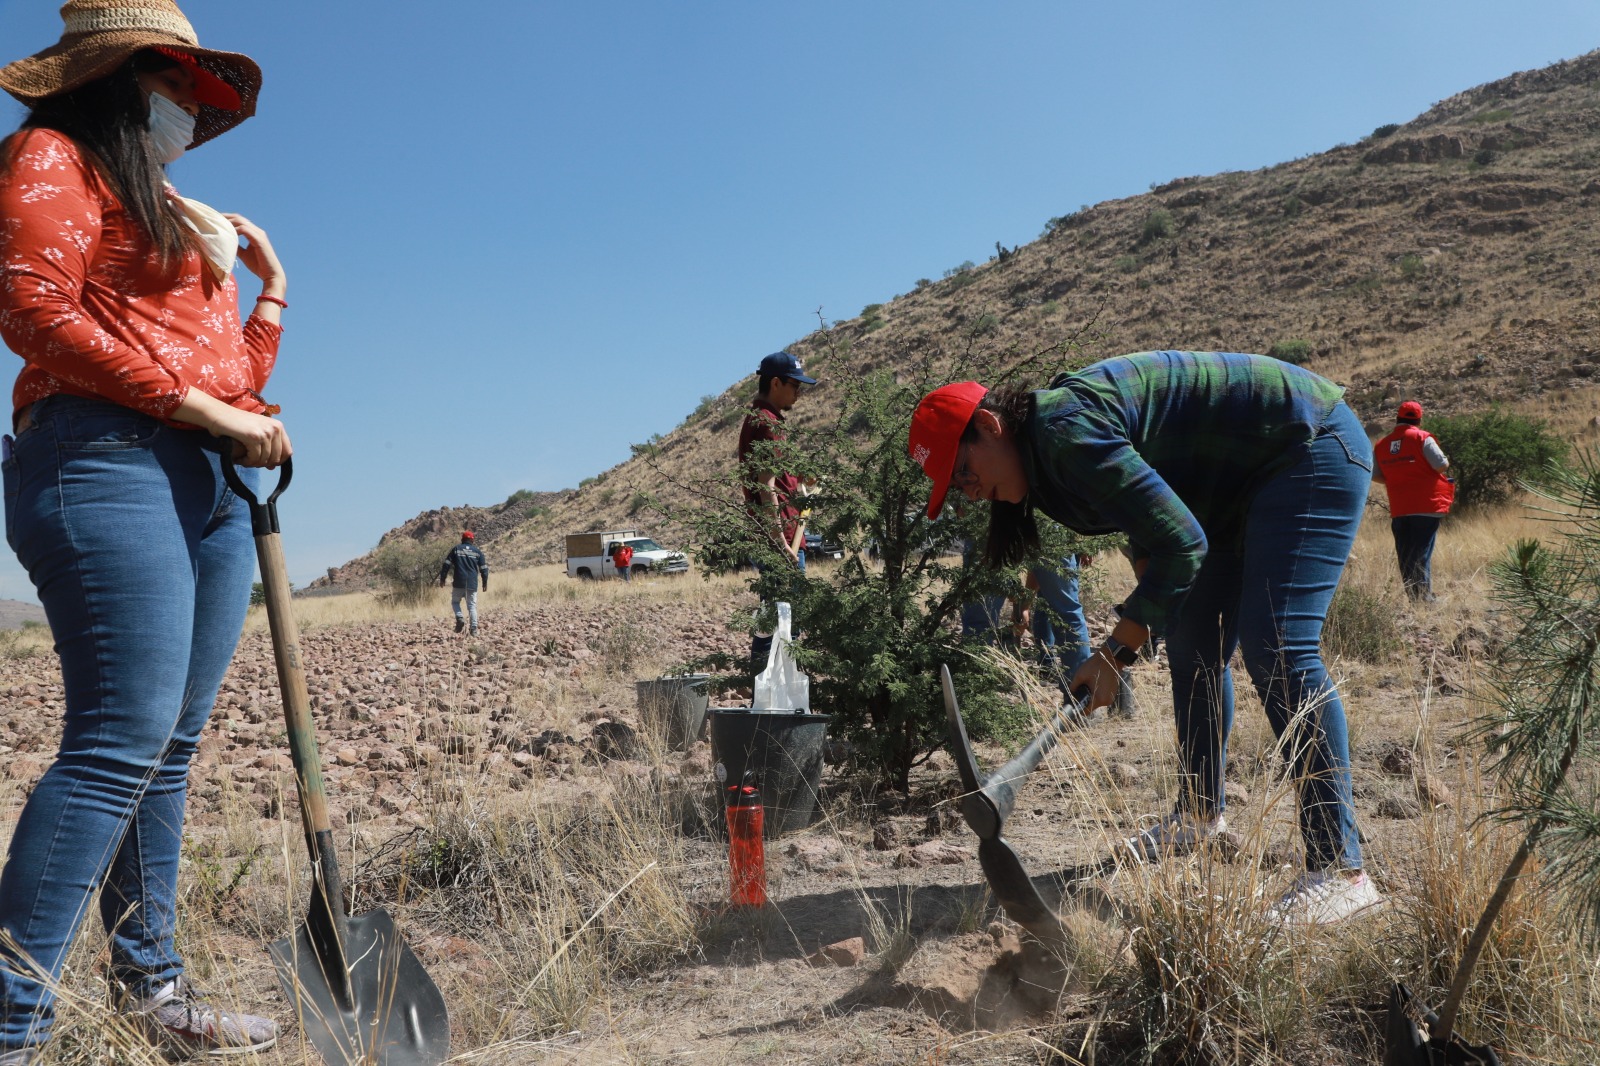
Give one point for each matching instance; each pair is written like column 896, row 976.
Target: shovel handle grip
column 263, row 513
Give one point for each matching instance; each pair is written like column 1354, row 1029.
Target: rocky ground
column 542, row 705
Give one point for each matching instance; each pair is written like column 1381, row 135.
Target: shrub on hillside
column 1158, row 224
column 1491, row 452
column 1291, row 351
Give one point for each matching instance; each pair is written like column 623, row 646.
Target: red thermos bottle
column 747, row 864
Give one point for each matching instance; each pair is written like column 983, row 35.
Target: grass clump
column 1295, row 351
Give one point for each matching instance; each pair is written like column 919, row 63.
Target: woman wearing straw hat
column 1240, row 481
column 139, row 368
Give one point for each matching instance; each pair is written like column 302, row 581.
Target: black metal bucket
column 784, row 748
column 674, row 708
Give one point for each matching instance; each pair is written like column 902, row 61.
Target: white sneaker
column 1176, row 834
column 1323, row 897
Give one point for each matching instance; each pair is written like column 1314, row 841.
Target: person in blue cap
column 769, row 488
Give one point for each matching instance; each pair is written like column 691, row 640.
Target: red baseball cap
column 208, row 88
column 936, row 430
column 467, row 534
column 1410, row 411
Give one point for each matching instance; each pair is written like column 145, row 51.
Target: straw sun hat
column 100, row 35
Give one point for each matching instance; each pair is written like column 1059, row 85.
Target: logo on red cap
column 936, row 430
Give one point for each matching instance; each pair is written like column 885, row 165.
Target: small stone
column 1400, row 807
column 274, row 760
column 346, row 757
column 885, row 837
column 1235, row 794
column 843, row 953
column 1432, row 790
column 1398, row 761
column 1124, row 774
column 932, row 853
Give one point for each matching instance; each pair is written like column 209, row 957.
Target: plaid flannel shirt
column 1169, row 448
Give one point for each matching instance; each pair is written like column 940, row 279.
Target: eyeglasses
column 795, row 383
column 963, row 479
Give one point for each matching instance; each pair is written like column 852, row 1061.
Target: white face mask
column 171, row 128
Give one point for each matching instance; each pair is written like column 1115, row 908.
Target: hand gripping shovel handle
column 327, row 915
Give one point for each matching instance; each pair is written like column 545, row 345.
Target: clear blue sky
column 521, row 235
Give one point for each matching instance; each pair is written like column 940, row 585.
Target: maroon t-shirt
column 765, row 423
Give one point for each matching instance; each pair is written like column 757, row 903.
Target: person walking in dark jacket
column 469, row 566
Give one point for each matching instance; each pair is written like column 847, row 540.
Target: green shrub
column 1491, row 452
column 1291, row 351
column 1127, row 264
column 965, row 268
column 872, row 317
column 520, row 496
column 1385, row 130
column 1410, row 266
column 1158, row 224
column 408, row 569
column 258, row 594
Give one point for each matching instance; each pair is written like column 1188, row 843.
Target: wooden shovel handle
column 286, row 649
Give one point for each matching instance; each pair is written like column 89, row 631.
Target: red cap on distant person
column 1410, row 411
column 466, row 534
column 936, row 430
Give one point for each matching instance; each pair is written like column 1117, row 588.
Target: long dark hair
column 1013, row 534
column 109, row 119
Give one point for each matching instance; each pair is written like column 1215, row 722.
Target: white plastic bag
column 781, row 686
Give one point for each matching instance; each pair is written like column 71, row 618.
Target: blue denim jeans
column 458, row 594
column 1268, row 598
column 1059, row 627
column 143, row 561
column 1414, row 535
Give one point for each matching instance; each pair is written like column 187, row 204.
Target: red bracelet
column 273, row 300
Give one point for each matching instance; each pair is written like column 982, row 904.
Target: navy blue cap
column 784, row 365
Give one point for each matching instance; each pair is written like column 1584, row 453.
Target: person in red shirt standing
column 1413, row 469
column 622, row 559
column 138, row 370
column 770, row 489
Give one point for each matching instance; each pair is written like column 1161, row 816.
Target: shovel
column 987, row 804
column 1404, row 1044
column 358, row 991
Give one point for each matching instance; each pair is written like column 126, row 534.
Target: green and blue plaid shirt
column 1169, row 448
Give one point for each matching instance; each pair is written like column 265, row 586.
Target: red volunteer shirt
column 765, row 423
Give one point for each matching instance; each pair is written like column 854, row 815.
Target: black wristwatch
column 1120, row 652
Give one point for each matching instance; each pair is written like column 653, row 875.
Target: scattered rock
column 1401, row 807
column 843, row 953
column 816, row 853
column 1235, row 794
column 1397, row 760
column 617, row 740
column 932, row 853
column 347, row 756
column 885, row 837
column 1124, row 774
column 1432, row 791
column 274, row 760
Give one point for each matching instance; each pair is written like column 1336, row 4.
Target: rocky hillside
column 1452, row 259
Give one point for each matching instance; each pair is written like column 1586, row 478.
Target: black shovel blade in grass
column 359, row 993
column 986, row 804
column 1404, row 1044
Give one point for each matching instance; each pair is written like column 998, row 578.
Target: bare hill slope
column 1451, row 259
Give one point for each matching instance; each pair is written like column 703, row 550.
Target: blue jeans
column 1059, row 627
column 142, row 558
column 1413, row 543
column 1268, row 597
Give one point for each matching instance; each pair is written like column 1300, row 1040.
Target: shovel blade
column 1018, row 895
column 396, row 1015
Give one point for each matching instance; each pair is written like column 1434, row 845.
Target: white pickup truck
column 589, row 554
